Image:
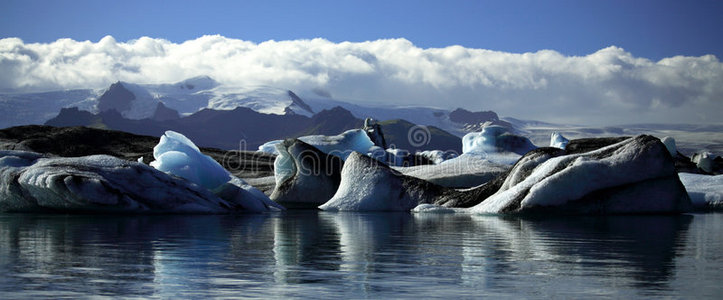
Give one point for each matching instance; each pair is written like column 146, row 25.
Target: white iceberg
column 340, row 145
column 705, row 191
column 270, row 147
column 496, row 143
column 669, row 143
column 558, row 141
column 177, row 155
column 704, row 161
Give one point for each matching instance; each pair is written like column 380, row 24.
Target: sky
column 576, row 61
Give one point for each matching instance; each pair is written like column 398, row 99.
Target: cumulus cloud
column 608, row 86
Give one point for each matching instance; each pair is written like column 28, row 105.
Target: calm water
column 359, row 255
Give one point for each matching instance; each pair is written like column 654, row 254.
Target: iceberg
column 705, row 191
column 704, row 161
column 496, row 143
column 32, row 182
column 270, row 147
column 180, row 180
column 369, row 185
column 305, row 176
column 175, row 154
column 669, row 143
column 339, row 145
column 493, row 139
column 558, row 141
column 464, row 171
column 636, row 175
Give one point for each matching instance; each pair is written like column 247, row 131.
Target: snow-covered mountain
column 141, row 101
column 138, row 101
column 36, row 108
column 167, row 101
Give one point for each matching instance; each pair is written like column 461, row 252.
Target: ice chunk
column 270, row 147
column 432, row 208
column 496, row 142
column 705, row 191
column 175, row 154
column 558, row 141
column 669, row 143
column 438, row 156
column 340, row 145
column 246, row 196
column 704, row 161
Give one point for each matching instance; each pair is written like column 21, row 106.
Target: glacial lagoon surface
column 307, row 253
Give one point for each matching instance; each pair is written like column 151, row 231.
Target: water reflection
column 339, row 254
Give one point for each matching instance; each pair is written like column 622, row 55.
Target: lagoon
column 308, row 253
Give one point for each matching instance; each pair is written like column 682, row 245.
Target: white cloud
column 608, row 86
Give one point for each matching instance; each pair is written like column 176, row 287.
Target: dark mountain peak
column 336, row 112
column 72, row 117
column 164, row 113
column 117, row 98
column 296, row 100
column 463, row 116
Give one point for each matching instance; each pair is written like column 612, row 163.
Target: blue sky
column 650, row 29
column 602, row 62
